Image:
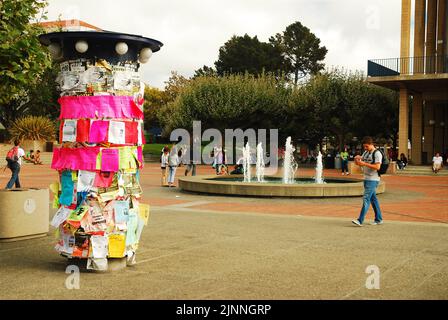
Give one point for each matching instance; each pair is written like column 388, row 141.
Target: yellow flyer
column 117, row 245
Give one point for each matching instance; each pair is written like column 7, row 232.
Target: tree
column 22, row 58
column 232, row 101
column 301, row 50
column 246, row 54
column 155, row 99
column 174, row 85
column 205, row 71
column 42, row 97
column 345, row 105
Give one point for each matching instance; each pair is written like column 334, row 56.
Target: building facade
column 420, row 75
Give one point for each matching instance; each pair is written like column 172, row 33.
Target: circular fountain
column 273, row 187
column 285, row 185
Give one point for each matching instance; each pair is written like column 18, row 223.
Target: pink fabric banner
column 76, row 107
column 75, row 158
column 98, row 131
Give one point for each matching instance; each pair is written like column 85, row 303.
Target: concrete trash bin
column 337, row 163
column 24, row 214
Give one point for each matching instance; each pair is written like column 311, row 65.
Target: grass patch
column 153, row 148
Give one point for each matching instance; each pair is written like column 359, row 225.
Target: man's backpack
column 384, row 162
column 12, row 155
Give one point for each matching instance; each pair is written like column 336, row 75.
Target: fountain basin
column 226, row 185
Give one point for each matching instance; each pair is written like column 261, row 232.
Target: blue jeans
column 344, row 165
column 370, row 197
column 171, row 174
column 15, row 169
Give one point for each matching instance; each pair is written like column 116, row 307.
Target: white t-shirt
column 20, row 154
column 164, row 160
column 437, row 160
column 173, row 160
column 371, row 174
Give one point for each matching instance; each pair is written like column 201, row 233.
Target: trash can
column 337, row 163
column 24, row 214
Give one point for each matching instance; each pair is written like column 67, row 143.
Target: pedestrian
column 219, row 159
column 173, row 163
column 344, row 161
column 370, row 162
column 163, row 164
column 437, row 163
column 14, row 162
column 402, row 162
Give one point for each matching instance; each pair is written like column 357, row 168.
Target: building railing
column 407, row 66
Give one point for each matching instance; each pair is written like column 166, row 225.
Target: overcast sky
column 192, row 31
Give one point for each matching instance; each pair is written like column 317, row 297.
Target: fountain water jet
column 246, row 163
column 289, row 165
column 319, row 169
column 260, row 163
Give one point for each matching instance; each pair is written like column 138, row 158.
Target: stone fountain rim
column 207, row 184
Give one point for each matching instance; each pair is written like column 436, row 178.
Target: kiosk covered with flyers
column 100, row 214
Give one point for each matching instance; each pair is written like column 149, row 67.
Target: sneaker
column 356, row 222
column 375, row 223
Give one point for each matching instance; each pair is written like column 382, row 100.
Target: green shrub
column 33, row 128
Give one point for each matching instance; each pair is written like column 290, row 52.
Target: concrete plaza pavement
column 214, row 247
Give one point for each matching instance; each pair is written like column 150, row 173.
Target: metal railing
column 407, row 66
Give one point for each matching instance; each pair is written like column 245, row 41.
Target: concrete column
column 438, row 137
column 441, row 35
column 405, row 35
column 403, row 122
column 419, row 36
column 431, row 29
column 417, row 121
column 445, row 129
column 446, row 28
column 429, row 132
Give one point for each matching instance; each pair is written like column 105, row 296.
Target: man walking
column 370, row 161
column 14, row 159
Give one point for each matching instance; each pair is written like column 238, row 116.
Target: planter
column 24, row 214
column 35, row 145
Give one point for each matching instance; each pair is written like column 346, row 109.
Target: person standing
column 14, row 159
column 437, row 163
column 344, row 161
column 163, row 164
column 173, row 163
column 370, row 162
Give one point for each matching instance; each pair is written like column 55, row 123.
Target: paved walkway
column 215, row 247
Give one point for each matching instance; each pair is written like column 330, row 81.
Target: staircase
column 421, row 171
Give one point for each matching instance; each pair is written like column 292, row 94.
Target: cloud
column 193, row 30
